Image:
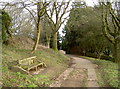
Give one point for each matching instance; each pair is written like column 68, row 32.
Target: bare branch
column 31, row 14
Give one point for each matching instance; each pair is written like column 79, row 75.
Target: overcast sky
column 88, row 2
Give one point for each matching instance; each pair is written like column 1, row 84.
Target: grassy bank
column 55, row 61
column 107, row 72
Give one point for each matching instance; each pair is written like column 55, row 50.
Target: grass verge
column 107, row 72
column 56, row 64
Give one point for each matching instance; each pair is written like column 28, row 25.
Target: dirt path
column 91, row 75
column 80, row 74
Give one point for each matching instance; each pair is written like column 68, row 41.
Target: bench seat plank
column 28, row 64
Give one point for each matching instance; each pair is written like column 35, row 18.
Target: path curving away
column 79, row 64
column 85, row 63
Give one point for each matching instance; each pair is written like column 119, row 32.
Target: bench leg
column 28, row 71
column 36, row 68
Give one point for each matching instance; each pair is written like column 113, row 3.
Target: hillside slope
column 20, row 49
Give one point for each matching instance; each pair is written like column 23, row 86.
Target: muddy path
column 80, row 74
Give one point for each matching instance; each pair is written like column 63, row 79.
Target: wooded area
column 93, row 31
column 45, row 27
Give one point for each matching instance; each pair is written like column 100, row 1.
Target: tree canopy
column 84, row 34
column 5, row 21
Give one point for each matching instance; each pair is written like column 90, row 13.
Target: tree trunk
column 54, row 45
column 115, row 52
column 38, row 27
column 48, row 42
column 38, row 36
column 99, row 55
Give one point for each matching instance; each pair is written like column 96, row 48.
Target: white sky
column 88, row 2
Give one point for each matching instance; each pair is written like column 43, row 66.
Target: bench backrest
column 27, row 61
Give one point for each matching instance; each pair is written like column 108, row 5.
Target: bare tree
column 36, row 15
column 40, row 12
column 111, row 33
column 55, row 13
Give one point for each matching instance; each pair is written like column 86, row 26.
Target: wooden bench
column 28, row 64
